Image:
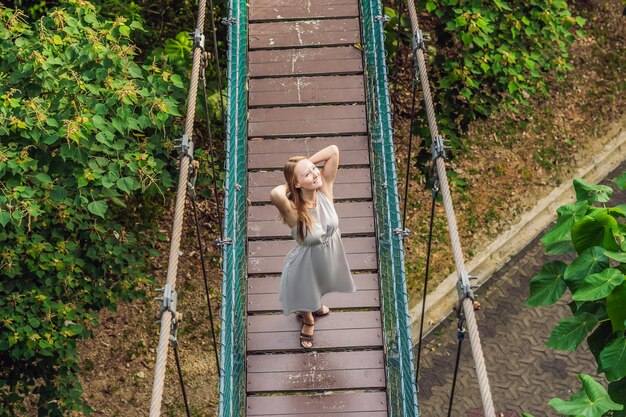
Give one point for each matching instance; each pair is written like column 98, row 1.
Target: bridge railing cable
column 169, row 316
column 466, row 298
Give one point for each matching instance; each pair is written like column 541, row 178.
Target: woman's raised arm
column 330, row 156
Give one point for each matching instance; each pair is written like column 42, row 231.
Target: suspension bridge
column 303, row 74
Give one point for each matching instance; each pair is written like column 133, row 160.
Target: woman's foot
column 323, row 311
column 306, row 334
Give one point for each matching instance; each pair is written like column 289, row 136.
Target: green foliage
column 591, row 401
column 84, row 147
column 487, row 52
column 595, row 278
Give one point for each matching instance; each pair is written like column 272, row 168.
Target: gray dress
column 317, row 265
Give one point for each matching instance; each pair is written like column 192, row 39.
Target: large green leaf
column 599, row 230
column 613, row 359
column 98, row 208
column 616, row 307
column 601, row 336
column 591, row 401
column 558, row 240
column 548, row 286
column 621, row 181
column 571, row 331
column 616, row 256
column 597, row 286
column 617, row 391
column 589, row 262
column 591, row 193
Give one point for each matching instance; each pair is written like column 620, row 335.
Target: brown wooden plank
column 304, row 33
column 263, row 294
column 270, row 285
column 272, row 153
column 312, row 61
column 352, row 245
column 262, row 10
column 274, row 178
column 274, row 264
column 319, row 371
column 276, row 228
column 339, row 330
column 358, row 191
column 305, row 121
column 306, row 90
column 345, row 210
column 354, row 404
column 335, row 321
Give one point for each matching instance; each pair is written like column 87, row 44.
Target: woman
column 318, row 264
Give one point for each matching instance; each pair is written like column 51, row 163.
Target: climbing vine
column 85, row 139
column 484, row 53
column 596, row 234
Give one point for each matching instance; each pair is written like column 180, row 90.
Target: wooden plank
column 306, row 121
column 304, row 33
column 352, row 245
column 354, row 404
column 267, row 10
column 274, row 178
column 335, row 321
column 269, row 333
column 306, row 90
column 317, row 371
column 263, row 294
column 276, row 228
column 313, row 61
column 270, row 285
column 345, row 210
column 273, row 153
column 274, row 264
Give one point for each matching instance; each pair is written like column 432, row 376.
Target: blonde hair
column 294, row 195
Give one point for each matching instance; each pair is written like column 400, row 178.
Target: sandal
column 306, row 337
column 321, row 312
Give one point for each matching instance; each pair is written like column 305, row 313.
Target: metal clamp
column 198, row 39
column 229, row 21
column 186, row 146
column 418, row 41
column 382, row 18
column 170, row 298
column 438, row 148
column 464, row 289
column 223, row 242
column 402, row 232
column 193, row 177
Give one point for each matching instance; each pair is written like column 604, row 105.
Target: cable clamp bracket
column 169, row 301
column 464, row 290
column 418, row 41
column 382, row 18
column 186, row 147
column 438, row 148
column 223, row 242
column 193, row 177
column 198, row 39
column 402, row 232
column 229, row 21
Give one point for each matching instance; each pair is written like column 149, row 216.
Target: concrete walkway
column 524, row 373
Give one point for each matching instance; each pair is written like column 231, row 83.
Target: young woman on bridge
column 318, row 264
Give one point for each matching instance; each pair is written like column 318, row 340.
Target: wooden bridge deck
column 305, row 92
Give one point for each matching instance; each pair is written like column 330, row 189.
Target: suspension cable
column 394, row 100
column 460, row 334
column 428, row 252
column 217, row 63
column 180, row 378
column 168, row 311
column 212, row 154
column 465, row 293
column 206, row 282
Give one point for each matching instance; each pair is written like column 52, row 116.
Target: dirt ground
column 512, row 160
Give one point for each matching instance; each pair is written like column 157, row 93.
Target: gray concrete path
column 524, row 373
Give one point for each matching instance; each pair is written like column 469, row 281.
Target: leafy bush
column 484, row 52
column 85, row 135
column 595, row 278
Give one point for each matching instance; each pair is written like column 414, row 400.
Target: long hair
column 295, row 196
